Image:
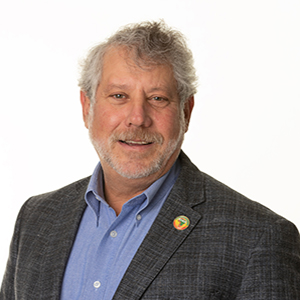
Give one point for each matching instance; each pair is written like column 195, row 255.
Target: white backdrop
column 245, row 125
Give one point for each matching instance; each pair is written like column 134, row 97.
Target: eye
column 118, row 96
column 159, row 101
column 158, row 98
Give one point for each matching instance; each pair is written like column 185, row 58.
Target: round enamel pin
column 181, row 222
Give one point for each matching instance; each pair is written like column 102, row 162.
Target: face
column 135, row 123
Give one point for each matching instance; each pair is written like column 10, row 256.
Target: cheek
column 105, row 119
column 169, row 125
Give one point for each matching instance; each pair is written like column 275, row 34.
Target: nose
column 138, row 114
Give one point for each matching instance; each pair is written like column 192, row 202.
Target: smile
column 134, row 143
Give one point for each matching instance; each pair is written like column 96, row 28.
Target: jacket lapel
column 60, row 243
column 163, row 238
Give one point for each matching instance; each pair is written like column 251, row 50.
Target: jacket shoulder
column 67, row 193
column 219, row 200
column 55, row 205
column 232, row 204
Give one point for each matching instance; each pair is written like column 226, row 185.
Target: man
column 147, row 224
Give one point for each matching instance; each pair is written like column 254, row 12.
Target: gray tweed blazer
column 234, row 248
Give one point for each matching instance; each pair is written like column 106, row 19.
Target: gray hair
column 149, row 43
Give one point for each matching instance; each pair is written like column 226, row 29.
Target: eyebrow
column 162, row 88
column 116, row 86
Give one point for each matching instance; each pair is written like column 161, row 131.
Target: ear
column 188, row 107
column 85, row 104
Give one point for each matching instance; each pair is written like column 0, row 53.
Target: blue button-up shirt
column 105, row 243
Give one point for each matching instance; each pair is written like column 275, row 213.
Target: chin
column 133, row 169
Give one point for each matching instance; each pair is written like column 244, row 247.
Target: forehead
column 119, row 64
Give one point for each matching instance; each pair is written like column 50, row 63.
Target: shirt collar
column 94, row 193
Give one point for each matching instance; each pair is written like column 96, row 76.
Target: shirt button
column 113, row 233
column 97, row 284
column 138, row 217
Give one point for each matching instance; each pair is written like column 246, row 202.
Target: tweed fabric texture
column 234, row 248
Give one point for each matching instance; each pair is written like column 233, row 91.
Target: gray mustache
column 138, row 134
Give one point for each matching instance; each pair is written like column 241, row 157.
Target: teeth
column 137, row 143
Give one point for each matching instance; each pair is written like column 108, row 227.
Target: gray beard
column 139, row 171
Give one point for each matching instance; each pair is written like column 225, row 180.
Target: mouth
column 136, row 143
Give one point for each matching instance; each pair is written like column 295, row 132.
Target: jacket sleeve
column 8, row 283
column 273, row 269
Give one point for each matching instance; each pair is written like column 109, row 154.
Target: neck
column 118, row 189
